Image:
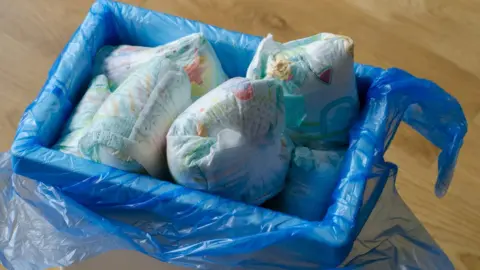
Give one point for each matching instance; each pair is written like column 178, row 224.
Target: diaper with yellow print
column 128, row 131
column 194, row 53
column 230, row 143
column 318, row 80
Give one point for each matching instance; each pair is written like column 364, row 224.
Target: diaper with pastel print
column 194, row 53
column 230, row 143
column 128, row 130
column 318, row 81
column 82, row 116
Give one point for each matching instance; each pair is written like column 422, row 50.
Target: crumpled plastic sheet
column 41, row 227
column 73, row 208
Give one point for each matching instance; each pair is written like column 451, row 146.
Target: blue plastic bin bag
column 64, row 209
column 42, row 227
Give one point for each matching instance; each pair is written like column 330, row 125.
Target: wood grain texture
column 434, row 39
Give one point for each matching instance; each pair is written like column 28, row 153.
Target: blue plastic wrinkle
column 42, row 227
column 86, row 208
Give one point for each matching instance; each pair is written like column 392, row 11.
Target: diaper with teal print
column 128, row 130
column 230, row 142
column 311, row 181
column 194, row 53
column 318, row 80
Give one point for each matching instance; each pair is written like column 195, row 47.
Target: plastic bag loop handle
column 429, row 110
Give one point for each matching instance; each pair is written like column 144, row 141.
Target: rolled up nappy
column 128, row 131
column 82, row 116
column 321, row 100
column 229, row 142
column 194, row 53
column 310, row 183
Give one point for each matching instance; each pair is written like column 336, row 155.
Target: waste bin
column 192, row 228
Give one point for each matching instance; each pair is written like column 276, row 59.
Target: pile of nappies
column 171, row 110
column 136, row 93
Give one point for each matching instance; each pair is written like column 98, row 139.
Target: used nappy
column 128, row 131
column 82, row 116
column 194, row 53
column 229, row 142
column 310, row 183
column 318, row 79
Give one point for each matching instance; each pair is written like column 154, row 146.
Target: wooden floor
column 435, row 39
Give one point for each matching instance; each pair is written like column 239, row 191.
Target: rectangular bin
column 241, row 234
